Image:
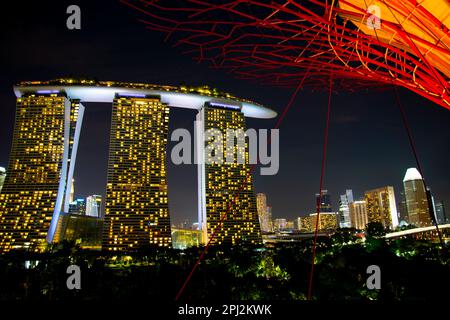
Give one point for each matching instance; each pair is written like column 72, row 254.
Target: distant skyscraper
column 402, row 208
column 381, row 206
column 344, row 211
column 325, row 204
column 41, row 166
column 227, row 203
column 263, row 212
column 416, row 199
column 261, row 205
column 439, row 211
column 78, row 207
column 269, row 218
column 94, row 206
column 2, row 177
column 136, row 206
column 358, row 214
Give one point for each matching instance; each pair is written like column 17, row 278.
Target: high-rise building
column 325, row 201
column 358, row 214
column 381, row 206
column 94, row 206
column 417, row 201
column 136, row 206
column 263, row 212
column 78, row 207
column 327, row 221
column 41, row 164
column 227, row 203
column 439, row 211
column 402, row 208
column 2, row 177
column 269, row 219
column 261, row 206
column 344, row 211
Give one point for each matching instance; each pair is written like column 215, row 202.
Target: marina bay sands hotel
column 49, row 116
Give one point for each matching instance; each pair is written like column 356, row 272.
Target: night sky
column 368, row 145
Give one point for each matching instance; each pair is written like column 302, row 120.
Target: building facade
column 358, row 214
column 279, row 224
column 344, row 211
column 41, row 163
column 227, row 203
column 417, row 202
column 381, row 206
column 94, row 206
column 439, row 211
column 185, row 238
column 402, row 208
column 264, row 212
column 78, row 206
column 2, row 177
column 136, row 206
column 269, row 219
column 327, row 221
column 325, row 201
column 83, row 230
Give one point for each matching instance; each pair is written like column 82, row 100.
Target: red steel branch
column 272, row 42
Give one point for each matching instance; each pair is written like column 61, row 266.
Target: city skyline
column 362, row 124
column 359, row 194
column 355, row 210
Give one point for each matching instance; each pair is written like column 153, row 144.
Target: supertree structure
column 316, row 44
column 359, row 43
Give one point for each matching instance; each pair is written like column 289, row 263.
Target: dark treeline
column 410, row 270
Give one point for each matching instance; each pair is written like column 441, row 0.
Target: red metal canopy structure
column 319, row 44
column 360, row 43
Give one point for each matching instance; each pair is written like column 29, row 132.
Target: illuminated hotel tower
column 38, row 186
column 136, row 207
column 42, row 161
column 227, row 203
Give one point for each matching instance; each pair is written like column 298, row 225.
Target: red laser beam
column 319, row 200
